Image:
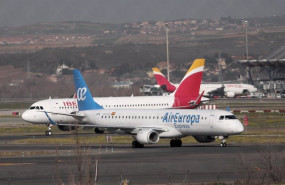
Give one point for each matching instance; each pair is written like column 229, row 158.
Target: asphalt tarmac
column 30, row 164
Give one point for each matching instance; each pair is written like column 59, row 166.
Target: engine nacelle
column 230, row 94
column 66, row 128
column 246, row 92
column 163, row 87
column 146, row 136
column 205, row 139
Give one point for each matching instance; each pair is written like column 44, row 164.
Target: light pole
column 245, row 23
column 167, row 52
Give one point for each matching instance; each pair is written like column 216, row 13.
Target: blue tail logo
column 81, row 94
column 84, row 98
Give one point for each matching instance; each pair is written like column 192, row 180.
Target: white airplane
column 227, row 90
column 149, row 125
column 186, row 96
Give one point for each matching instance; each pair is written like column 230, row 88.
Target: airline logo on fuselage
column 179, row 120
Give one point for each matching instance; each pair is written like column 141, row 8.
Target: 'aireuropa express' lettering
column 180, row 118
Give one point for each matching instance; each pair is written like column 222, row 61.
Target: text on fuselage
column 180, row 119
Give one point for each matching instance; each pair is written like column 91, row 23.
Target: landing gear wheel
column 175, row 143
column 48, row 133
column 172, row 143
column 223, row 141
column 136, row 144
column 223, row 144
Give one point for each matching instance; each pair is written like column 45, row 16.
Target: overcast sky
column 23, row 12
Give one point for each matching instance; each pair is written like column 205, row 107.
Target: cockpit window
column 32, row 108
column 41, row 108
column 221, row 117
column 37, row 107
column 230, row 117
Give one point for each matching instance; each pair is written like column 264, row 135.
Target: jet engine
column 147, row 136
column 246, row 92
column 230, row 94
column 66, row 128
column 163, row 87
column 205, row 139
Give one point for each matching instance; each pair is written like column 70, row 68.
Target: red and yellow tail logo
column 189, row 88
column 162, row 81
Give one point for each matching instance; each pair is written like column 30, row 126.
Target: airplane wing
column 73, row 114
column 217, row 91
column 76, row 116
column 129, row 129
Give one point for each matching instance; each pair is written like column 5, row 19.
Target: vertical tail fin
column 162, row 81
column 189, row 87
column 84, row 98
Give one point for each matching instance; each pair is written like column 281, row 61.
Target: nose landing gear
column 48, row 132
column 223, row 141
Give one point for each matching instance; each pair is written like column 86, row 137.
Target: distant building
column 60, row 69
column 222, row 63
column 122, row 84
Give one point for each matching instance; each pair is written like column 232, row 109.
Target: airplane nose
column 25, row 116
column 239, row 128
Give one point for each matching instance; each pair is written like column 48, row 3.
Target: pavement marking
column 14, row 164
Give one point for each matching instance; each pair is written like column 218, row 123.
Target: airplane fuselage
column 68, row 105
column 176, row 122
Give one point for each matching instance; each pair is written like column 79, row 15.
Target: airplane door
column 212, row 121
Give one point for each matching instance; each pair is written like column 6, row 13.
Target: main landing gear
column 223, row 141
column 175, row 143
column 136, row 144
column 48, row 132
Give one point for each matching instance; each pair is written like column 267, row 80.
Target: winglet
column 84, row 98
column 198, row 100
column 162, row 81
